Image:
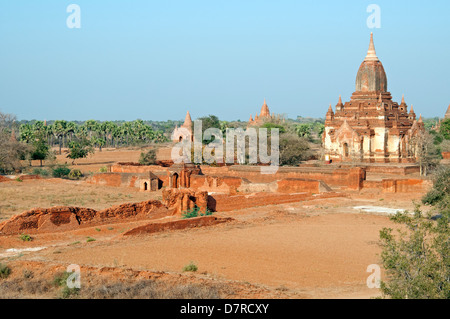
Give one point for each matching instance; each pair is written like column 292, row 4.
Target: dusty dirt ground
column 94, row 162
column 312, row 249
column 17, row 197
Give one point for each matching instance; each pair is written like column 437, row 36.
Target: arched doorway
column 175, row 180
column 145, row 186
column 346, row 152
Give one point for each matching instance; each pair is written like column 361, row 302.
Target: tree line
column 34, row 140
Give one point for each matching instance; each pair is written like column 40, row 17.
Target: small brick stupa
column 184, row 131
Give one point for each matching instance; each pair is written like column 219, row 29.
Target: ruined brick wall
column 406, row 185
column 419, row 186
column 349, row 177
column 129, row 168
column 107, row 179
column 123, row 179
column 56, row 219
column 180, row 200
column 393, row 169
column 296, row 185
column 217, row 184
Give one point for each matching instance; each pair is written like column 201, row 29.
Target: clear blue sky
column 154, row 60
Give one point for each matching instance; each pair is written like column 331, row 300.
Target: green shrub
column 293, row 150
column 148, row 158
column 207, row 213
column 60, row 280
column 191, row 267
column 41, row 172
column 60, row 171
column 195, row 212
column 439, row 195
column 18, row 179
column 75, row 174
column 416, row 258
column 103, row 169
column 191, row 213
column 67, row 292
column 80, row 149
column 25, row 237
column 5, row 271
column 89, row 239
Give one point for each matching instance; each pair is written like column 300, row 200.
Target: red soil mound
column 178, row 224
column 56, row 219
column 29, row 177
column 5, row 179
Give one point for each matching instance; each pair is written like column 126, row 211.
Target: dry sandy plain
column 312, row 249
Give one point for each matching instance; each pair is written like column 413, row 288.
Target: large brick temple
column 371, row 127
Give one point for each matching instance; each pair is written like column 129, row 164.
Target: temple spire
column 371, row 54
column 330, row 109
column 264, row 110
column 187, row 120
column 403, row 99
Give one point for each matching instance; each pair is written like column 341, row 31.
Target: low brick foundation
column 400, row 185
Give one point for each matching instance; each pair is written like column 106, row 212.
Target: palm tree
column 71, row 129
column 59, row 130
column 26, row 133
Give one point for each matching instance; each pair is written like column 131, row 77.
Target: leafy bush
column 148, row 158
column 195, row 212
column 60, row 280
column 41, row 172
column 445, row 129
column 417, row 260
column 89, row 239
column 270, row 126
column 293, row 150
column 445, row 146
column 75, row 174
column 5, row 271
column 439, row 195
column 80, row 149
column 67, row 292
column 191, row 267
column 103, row 169
column 25, row 237
column 60, row 171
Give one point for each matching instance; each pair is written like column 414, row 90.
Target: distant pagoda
column 184, row 131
